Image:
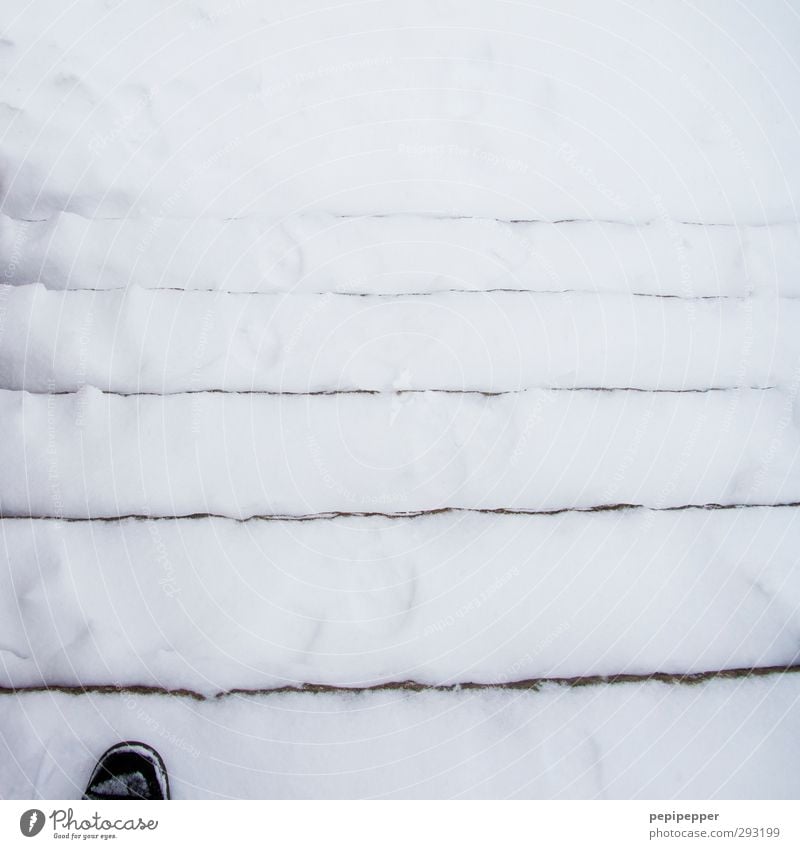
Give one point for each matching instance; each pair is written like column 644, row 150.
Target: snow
column 401, row 254
column 439, row 341
column 214, row 604
column 721, row 739
column 548, row 111
column 87, row 455
column 166, row 342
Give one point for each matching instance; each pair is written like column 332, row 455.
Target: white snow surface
column 400, row 254
column 559, row 110
column 87, row 454
column 722, row 739
column 265, row 268
column 164, row 342
column 214, row 604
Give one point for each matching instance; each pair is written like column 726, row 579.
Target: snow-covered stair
column 401, row 399
column 718, row 739
column 254, row 455
column 213, row 604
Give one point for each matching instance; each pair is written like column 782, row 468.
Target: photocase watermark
column 572, row 157
column 183, row 187
column 196, row 377
column 10, row 270
column 64, row 824
column 686, row 287
column 401, row 396
column 513, row 234
column 319, row 305
column 678, row 468
column 712, row 109
column 51, row 452
column 168, row 580
column 333, row 483
column 786, row 418
column 5, row 292
column 747, row 341
column 14, row 257
column 628, row 458
column 212, row 17
column 32, row 822
column 543, row 399
column 82, row 398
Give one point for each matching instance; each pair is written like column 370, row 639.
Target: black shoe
column 129, row 771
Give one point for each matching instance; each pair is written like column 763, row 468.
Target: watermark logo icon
column 31, row 822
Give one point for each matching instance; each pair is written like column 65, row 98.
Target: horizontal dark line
column 533, row 684
column 428, row 293
column 409, row 514
column 393, row 392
